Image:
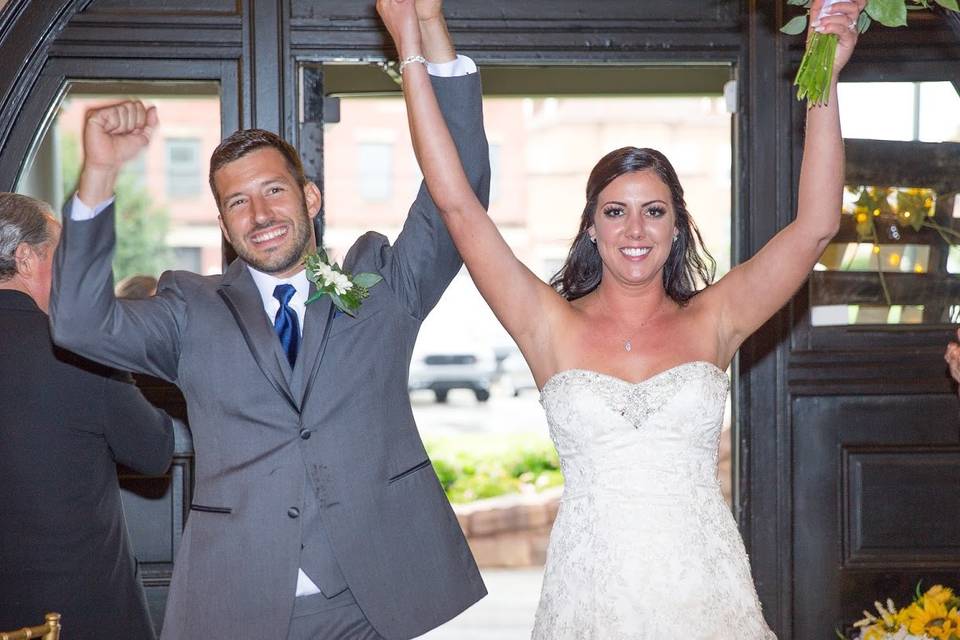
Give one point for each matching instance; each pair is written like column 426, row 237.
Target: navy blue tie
column 286, row 323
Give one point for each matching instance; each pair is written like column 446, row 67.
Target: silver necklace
column 628, row 343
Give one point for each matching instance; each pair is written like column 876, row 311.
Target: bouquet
column 931, row 616
column 816, row 68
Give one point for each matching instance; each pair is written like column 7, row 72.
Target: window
column 376, row 171
column 897, row 256
column 923, row 111
column 184, row 167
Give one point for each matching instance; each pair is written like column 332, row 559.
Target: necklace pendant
column 628, row 345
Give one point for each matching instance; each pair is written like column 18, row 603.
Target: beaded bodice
column 660, row 435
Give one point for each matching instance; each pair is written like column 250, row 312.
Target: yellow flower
column 939, row 594
column 922, row 613
column 875, row 633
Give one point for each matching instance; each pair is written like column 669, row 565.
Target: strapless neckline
column 557, row 377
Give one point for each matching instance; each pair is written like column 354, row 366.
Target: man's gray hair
column 22, row 219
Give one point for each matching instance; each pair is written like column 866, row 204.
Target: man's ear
column 26, row 256
column 223, row 229
column 313, row 198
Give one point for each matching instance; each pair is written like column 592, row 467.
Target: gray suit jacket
column 338, row 428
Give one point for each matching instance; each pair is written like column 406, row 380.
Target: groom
column 316, row 512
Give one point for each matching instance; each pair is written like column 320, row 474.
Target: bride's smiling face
column 634, row 226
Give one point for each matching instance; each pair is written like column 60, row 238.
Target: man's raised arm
column 85, row 316
column 424, row 260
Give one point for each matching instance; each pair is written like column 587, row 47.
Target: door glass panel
column 167, row 218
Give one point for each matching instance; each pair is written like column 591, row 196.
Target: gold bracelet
column 411, row 60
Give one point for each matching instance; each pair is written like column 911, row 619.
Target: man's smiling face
column 264, row 213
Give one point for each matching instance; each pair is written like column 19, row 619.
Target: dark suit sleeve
column 130, row 335
column 139, row 435
column 424, row 260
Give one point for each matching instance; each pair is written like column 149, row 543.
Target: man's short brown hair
column 245, row 141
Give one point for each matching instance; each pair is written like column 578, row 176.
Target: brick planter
column 510, row 531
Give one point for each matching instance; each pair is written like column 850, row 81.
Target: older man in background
column 64, row 425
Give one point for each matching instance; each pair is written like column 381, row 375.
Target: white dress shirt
column 266, row 283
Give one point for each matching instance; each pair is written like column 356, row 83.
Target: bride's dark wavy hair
column 689, row 267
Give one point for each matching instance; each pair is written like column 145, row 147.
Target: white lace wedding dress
column 643, row 546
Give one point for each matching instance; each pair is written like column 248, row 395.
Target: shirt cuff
column 459, row 66
column 80, row 211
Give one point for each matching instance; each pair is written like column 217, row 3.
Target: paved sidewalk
column 505, row 614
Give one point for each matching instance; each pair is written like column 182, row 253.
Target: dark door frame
column 258, row 46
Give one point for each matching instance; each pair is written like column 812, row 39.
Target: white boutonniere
column 346, row 291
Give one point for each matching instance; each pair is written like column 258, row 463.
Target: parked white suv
column 442, row 368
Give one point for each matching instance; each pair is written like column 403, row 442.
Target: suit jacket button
column 293, row 512
column 305, row 433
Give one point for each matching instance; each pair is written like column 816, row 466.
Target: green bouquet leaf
column 796, row 26
column 816, row 69
column 889, row 13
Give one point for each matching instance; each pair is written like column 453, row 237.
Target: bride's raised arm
column 751, row 293
column 525, row 305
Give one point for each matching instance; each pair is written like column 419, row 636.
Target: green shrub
column 477, row 467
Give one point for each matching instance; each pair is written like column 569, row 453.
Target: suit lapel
column 240, row 294
column 316, row 331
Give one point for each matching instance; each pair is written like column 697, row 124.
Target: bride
column 630, row 360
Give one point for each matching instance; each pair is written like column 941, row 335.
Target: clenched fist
column 112, row 136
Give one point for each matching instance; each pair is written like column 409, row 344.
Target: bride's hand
column 429, row 10
column 400, row 19
column 842, row 22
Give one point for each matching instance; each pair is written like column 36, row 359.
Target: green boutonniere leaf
column 367, row 280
